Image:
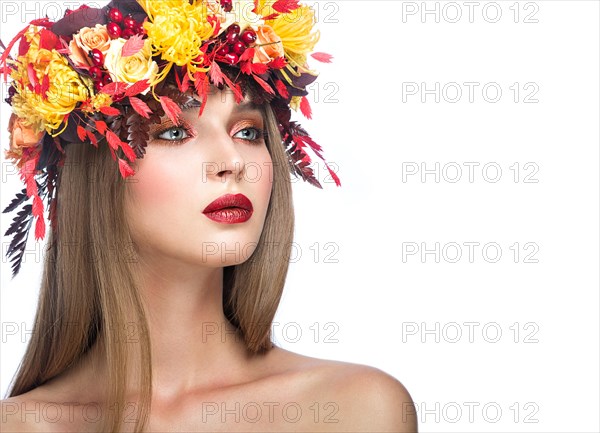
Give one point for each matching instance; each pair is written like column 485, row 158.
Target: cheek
column 152, row 182
column 261, row 172
column 157, row 189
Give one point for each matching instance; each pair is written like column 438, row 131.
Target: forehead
column 189, row 100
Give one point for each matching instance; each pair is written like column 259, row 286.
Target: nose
column 226, row 161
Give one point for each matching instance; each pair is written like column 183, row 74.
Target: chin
column 219, row 251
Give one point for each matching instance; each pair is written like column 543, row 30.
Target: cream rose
column 268, row 45
column 87, row 39
column 131, row 69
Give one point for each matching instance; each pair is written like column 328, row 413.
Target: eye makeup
column 246, row 125
column 158, row 130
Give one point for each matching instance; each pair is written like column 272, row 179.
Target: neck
column 192, row 342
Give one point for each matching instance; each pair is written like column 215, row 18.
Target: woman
column 157, row 147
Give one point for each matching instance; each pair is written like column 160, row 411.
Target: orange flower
column 21, row 137
column 87, row 39
column 268, row 45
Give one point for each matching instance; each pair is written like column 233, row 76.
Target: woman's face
column 187, row 167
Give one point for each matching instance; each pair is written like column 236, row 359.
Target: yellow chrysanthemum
column 296, row 32
column 45, row 109
column 177, row 29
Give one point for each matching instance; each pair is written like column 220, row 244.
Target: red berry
column 115, row 15
column 106, row 79
column 232, row 38
column 97, row 57
column 127, row 33
column 139, row 29
column 227, row 5
column 231, row 58
column 223, row 50
column 95, row 72
column 129, row 22
column 234, row 28
column 98, row 85
column 238, row 48
column 114, row 31
column 248, row 36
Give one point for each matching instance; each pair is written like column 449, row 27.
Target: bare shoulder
column 19, row 415
column 365, row 398
column 37, row 411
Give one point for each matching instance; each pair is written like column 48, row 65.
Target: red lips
column 230, row 209
column 229, row 201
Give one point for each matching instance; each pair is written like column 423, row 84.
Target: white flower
column 131, row 69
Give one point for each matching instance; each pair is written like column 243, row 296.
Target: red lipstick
column 230, row 209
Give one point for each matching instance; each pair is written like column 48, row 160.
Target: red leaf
column 248, row 55
column 101, row 126
column 125, row 169
column 92, row 138
column 38, row 206
column 5, row 55
column 27, row 175
column 270, row 17
column 259, row 68
column 282, row 89
column 285, row 6
column 216, row 75
column 24, row 46
column 33, row 79
column 235, row 88
column 110, row 111
column 335, row 177
column 42, row 22
column 171, row 109
column 45, row 86
column 81, row 133
column 322, row 57
column 48, row 40
column 140, row 107
column 264, row 84
column 216, row 25
column 113, row 140
column 133, row 46
column 246, row 67
column 201, row 84
column 114, row 88
column 305, row 108
column 40, row 228
column 185, row 85
column 277, row 63
column 137, row 88
column 128, row 151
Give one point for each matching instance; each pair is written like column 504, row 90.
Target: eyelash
column 261, row 134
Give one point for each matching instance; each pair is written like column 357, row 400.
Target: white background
column 410, row 315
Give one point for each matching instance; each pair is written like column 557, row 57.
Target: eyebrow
column 241, row 107
column 247, row 106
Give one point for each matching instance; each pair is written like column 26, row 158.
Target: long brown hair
column 89, row 285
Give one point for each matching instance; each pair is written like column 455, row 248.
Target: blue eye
column 250, row 134
column 175, row 133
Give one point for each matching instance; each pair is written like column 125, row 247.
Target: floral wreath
column 98, row 76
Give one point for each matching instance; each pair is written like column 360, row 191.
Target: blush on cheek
column 156, row 184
